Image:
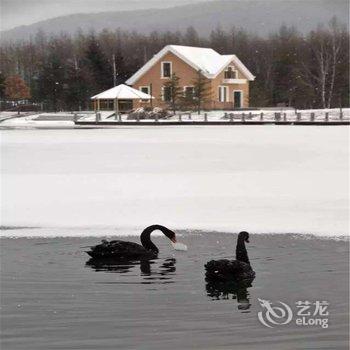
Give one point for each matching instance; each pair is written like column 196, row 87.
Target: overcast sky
column 20, row 12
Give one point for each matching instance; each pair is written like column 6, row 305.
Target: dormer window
column 166, row 70
column 230, row 73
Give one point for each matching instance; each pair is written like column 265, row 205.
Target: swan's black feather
column 223, row 270
column 231, row 270
column 122, row 250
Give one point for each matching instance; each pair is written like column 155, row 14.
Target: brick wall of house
column 185, row 72
column 218, row 81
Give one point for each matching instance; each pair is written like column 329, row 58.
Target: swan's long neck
column 241, row 251
column 146, row 237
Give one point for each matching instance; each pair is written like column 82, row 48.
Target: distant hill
column 16, row 13
column 259, row 16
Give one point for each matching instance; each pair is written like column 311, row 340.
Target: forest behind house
column 62, row 72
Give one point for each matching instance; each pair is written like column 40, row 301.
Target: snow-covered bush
column 148, row 113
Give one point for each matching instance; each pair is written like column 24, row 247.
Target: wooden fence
column 249, row 118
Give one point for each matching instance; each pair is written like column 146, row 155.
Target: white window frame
column 233, row 97
column 162, row 72
column 227, row 99
column 233, row 70
column 145, row 86
column 188, row 86
column 163, row 87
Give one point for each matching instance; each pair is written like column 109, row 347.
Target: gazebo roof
column 122, row 91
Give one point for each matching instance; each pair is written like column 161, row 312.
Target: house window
column 223, row 94
column 145, row 89
column 230, row 73
column 166, row 69
column 166, row 93
column 188, row 91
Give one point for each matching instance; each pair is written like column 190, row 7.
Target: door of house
column 237, row 99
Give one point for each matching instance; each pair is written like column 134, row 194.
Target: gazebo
column 120, row 97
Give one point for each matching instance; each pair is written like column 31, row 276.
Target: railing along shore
column 226, row 118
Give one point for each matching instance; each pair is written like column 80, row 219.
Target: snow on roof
column 121, row 91
column 210, row 62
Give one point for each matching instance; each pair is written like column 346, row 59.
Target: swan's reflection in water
column 230, row 290
column 151, row 271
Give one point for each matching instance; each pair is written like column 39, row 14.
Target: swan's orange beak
column 173, row 240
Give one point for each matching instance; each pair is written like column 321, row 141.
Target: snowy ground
column 274, row 179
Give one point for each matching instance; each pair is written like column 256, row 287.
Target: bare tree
column 320, row 71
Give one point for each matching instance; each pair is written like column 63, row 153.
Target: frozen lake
column 87, row 183
column 260, row 178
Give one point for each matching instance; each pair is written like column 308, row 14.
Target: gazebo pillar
column 116, row 108
column 98, row 104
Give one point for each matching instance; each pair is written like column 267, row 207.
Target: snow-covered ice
column 273, row 179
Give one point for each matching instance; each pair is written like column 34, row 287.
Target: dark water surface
column 50, row 298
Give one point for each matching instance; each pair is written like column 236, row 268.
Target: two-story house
column 228, row 78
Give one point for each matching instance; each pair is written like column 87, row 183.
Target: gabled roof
column 121, row 91
column 207, row 60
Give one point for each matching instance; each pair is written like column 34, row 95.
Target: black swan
column 232, row 270
column 121, row 250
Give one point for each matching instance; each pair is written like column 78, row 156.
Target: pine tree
column 175, row 92
column 51, row 82
column 98, row 66
column 201, row 91
column 121, row 71
column 285, row 56
column 76, row 93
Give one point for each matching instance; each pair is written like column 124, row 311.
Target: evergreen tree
column 174, row 92
column 51, row 80
column 285, row 52
column 201, row 91
column 97, row 64
column 122, row 72
column 76, row 94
